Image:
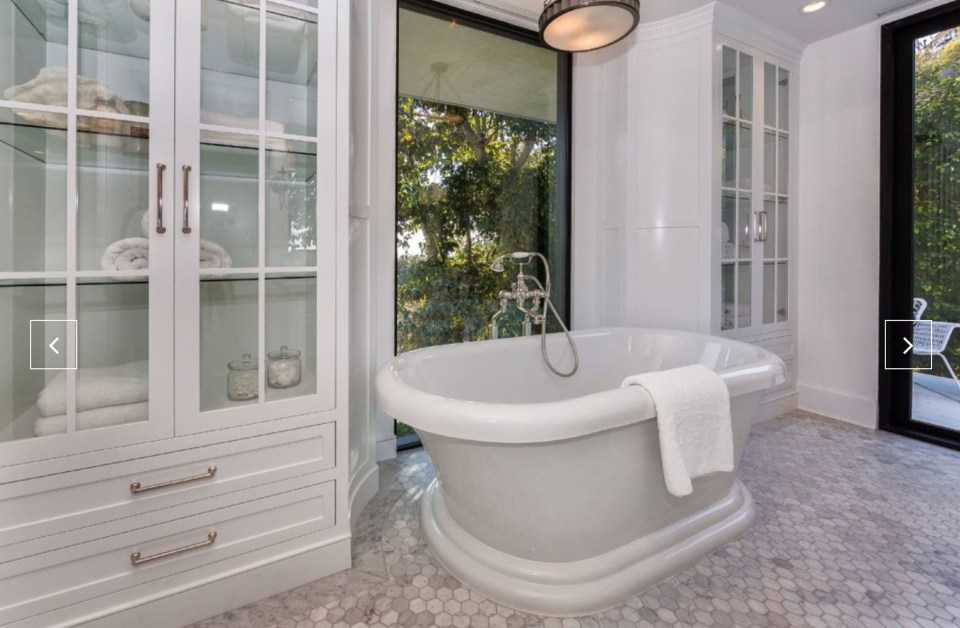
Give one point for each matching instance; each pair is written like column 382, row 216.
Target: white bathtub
column 549, row 494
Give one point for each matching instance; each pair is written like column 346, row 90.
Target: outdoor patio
column 936, row 400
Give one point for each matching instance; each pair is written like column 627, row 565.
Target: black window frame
column 895, row 387
column 561, row 271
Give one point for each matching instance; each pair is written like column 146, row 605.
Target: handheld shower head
column 497, row 265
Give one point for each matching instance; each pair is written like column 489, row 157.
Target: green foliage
column 937, row 183
column 475, row 184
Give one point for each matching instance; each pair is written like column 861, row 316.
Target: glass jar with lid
column 283, row 368
column 243, row 379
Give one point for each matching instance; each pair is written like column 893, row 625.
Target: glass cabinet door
column 257, row 233
column 737, row 181
column 775, row 217
column 85, row 117
column 754, row 193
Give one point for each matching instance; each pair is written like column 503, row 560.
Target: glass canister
column 283, row 368
column 243, row 379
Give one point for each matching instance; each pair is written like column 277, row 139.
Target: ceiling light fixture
column 582, row 25
column 813, row 6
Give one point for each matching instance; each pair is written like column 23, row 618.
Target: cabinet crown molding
column 676, row 25
column 747, row 29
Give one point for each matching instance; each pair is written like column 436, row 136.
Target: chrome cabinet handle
column 186, row 198
column 137, row 488
column 160, row 170
column 137, row 559
column 761, row 218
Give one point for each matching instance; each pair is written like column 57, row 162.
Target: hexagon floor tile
column 854, row 528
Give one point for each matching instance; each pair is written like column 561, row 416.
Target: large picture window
column 483, row 168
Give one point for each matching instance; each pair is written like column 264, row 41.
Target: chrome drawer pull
column 136, row 487
column 136, row 559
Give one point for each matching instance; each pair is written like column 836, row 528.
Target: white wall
column 372, row 98
column 642, row 178
column 839, row 225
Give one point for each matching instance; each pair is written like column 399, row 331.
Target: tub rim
column 482, row 421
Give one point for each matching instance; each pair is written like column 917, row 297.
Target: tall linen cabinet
column 173, row 257
column 684, row 195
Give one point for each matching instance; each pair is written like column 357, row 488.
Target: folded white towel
column 49, row 87
column 127, row 254
column 729, row 250
column 96, row 388
column 217, row 118
column 693, row 419
column 212, row 255
column 92, row 419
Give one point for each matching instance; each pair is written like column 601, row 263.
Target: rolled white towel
column 212, row 255
column 97, row 387
column 93, row 419
column 134, row 253
column 127, row 254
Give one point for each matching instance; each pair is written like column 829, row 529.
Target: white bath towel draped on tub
column 693, row 419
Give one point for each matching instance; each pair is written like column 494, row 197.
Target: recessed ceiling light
column 812, row 6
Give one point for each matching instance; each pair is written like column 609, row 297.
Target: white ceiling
column 478, row 69
column 839, row 16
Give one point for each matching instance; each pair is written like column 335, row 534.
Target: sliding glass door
column 920, row 282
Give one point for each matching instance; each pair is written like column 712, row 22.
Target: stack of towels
column 106, row 396
column 134, row 253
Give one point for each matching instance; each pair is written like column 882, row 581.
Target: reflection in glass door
column 921, row 223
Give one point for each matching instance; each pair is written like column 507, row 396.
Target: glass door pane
column 737, row 189
column 264, row 214
column 77, row 201
column 775, row 232
column 936, row 272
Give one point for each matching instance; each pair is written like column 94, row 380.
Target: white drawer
column 42, row 508
column 269, row 514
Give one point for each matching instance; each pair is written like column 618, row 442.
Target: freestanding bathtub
column 549, row 494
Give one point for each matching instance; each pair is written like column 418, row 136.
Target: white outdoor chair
column 931, row 338
column 919, row 305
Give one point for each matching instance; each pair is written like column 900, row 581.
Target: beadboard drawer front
column 45, row 582
column 48, row 506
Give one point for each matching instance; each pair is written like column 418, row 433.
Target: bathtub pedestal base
column 585, row 586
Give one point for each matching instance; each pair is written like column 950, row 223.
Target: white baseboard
column 775, row 407
column 363, row 486
column 839, row 405
column 387, row 449
column 187, row 604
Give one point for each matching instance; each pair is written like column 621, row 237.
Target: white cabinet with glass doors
column 182, row 213
column 172, row 284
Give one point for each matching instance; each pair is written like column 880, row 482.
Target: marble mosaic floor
column 854, row 528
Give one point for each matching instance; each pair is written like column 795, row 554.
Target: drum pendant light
column 582, row 25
